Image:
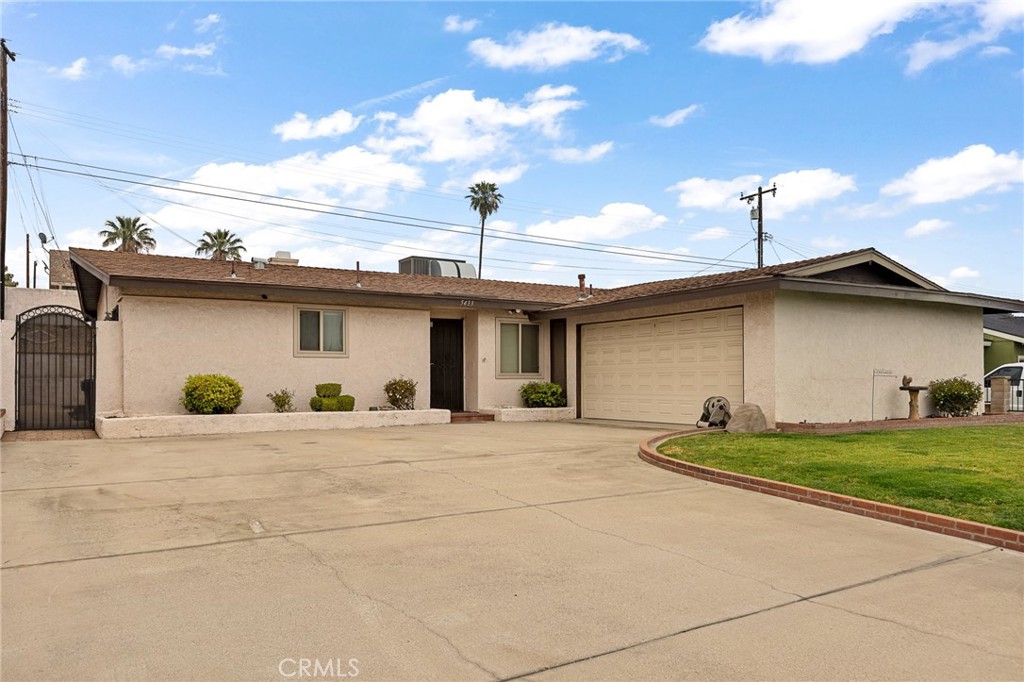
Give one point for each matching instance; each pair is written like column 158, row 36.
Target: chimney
column 583, row 287
column 283, row 258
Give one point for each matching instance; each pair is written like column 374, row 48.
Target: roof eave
column 989, row 304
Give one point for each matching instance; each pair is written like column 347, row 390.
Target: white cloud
column 711, row 234
column 300, row 127
column 615, row 221
column 553, row 45
column 456, row 126
column 808, row 31
column 803, row 188
column 201, row 50
column 206, row 23
column 501, row 176
column 975, row 169
column 573, row 155
column 544, row 265
column 796, row 190
column 399, row 94
column 994, row 17
column 675, row 118
column 923, row 227
column 128, row 66
column 956, row 274
column 995, row 51
column 75, row 71
column 456, row 24
column 831, row 242
column 715, row 195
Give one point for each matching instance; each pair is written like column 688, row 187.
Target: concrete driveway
column 468, row 552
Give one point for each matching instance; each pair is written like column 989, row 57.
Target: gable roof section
column 189, row 276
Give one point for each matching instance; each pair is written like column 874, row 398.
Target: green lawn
column 974, row 473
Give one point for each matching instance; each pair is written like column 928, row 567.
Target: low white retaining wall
column 531, row 414
column 208, row 424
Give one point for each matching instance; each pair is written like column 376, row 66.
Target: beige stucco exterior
column 842, row 358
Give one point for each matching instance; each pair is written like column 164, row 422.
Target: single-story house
column 1004, row 340
column 820, row 340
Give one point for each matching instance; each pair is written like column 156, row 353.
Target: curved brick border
column 936, row 523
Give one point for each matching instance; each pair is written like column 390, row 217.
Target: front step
column 470, row 417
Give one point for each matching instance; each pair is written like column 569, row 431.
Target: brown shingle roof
column 198, row 270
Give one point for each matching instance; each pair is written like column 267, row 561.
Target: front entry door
column 446, row 365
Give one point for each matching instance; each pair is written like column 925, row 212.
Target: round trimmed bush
column 542, row 394
column 211, row 394
column 956, row 397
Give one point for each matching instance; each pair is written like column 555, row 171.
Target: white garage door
column 661, row 369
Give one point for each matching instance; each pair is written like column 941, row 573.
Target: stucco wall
column 494, row 390
column 18, row 300
column 167, row 339
column 109, row 369
column 841, row 358
column 758, row 342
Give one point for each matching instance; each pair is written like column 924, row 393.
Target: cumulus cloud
column 923, row 227
column 954, row 276
column 796, row 190
column 127, row 66
column 675, row 118
column 300, row 127
column 553, row 45
column 711, row 234
column 830, row 242
column 994, row 17
column 995, row 51
column 573, row 155
column 500, row 176
column 75, row 71
column 456, row 126
column 206, row 23
column 975, row 169
column 614, row 222
column 807, row 31
column 201, row 50
column 456, row 24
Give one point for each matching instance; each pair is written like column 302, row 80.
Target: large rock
column 747, row 418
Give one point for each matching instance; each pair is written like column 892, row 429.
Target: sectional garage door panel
column 661, row 369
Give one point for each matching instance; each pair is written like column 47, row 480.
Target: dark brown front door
column 446, row 365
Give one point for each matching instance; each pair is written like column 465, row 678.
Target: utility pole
column 760, row 220
column 3, row 168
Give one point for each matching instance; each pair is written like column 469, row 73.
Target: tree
column 130, row 234
column 220, row 245
column 9, row 278
column 485, row 199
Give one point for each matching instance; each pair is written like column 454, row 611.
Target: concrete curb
column 935, row 523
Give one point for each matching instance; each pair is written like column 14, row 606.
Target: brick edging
column 828, row 429
column 936, row 523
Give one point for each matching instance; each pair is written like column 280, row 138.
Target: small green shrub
column 401, row 393
column 956, row 397
column 282, row 400
column 340, row 403
column 328, row 390
column 211, row 394
column 542, row 394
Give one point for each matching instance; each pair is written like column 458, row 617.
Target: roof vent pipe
column 583, row 287
column 359, row 284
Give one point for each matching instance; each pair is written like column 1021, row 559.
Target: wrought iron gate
column 56, row 369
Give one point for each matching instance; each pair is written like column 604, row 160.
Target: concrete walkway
column 467, row 552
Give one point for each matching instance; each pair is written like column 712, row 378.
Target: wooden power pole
column 760, row 220
column 3, row 170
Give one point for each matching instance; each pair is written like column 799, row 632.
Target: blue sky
column 629, row 130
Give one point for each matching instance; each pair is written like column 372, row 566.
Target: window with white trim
column 518, row 348
column 320, row 331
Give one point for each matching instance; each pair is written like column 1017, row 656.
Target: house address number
column 467, row 304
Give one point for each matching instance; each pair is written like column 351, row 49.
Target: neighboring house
column 61, row 275
column 821, row 340
column 1004, row 340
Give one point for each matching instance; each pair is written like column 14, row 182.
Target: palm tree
column 130, row 234
column 221, row 245
column 485, row 199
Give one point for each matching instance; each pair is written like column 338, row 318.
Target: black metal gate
column 56, row 369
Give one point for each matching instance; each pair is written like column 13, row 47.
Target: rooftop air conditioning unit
column 438, row 267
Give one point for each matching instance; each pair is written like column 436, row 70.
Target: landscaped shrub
column 328, row 390
column 542, row 394
column 328, row 398
column 211, row 394
column 956, row 397
column 401, row 393
column 282, row 400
